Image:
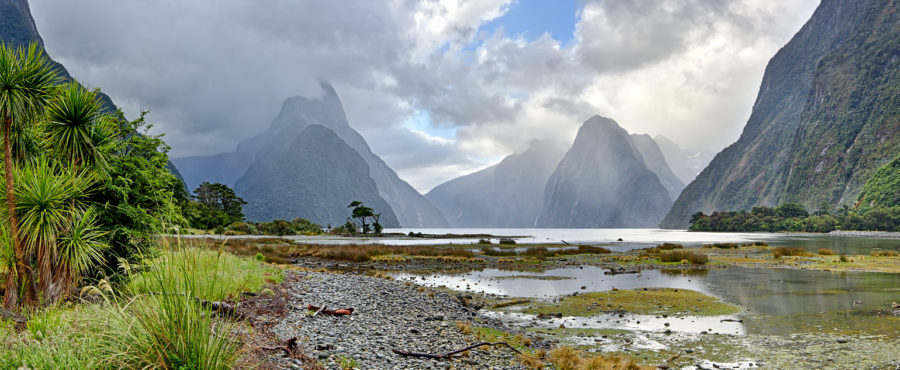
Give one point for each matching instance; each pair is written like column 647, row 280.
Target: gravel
column 388, row 314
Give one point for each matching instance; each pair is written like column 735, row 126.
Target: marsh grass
column 366, row 252
column 568, row 358
column 884, row 253
column 544, row 252
column 826, row 252
column 680, row 255
column 790, row 252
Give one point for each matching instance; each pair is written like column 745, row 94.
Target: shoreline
column 867, row 234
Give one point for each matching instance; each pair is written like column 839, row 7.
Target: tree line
column 794, row 217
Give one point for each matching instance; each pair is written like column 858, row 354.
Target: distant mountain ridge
column 297, row 113
column 603, row 182
column 825, row 119
column 315, row 177
column 506, row 195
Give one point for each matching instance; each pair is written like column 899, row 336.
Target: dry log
column 339, row 312
column 447, row 355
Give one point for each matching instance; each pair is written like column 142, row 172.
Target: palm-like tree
column 79, row 248
column 27, row 83
column 77, row 128
column 44, row 192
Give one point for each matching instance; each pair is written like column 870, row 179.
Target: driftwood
column 447, row 355
column 339, row 312
column 617, row 271
column 289, row 346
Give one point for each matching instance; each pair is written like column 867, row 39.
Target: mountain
column 883, row 188
column 825, row 119
column 603, row 181
column 297, row 113
column 302, row 181
column 656, row 162
column 17, row 29
column 508, row 194
column 686, row 164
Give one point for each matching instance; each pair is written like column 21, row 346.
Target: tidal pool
column 774, row 301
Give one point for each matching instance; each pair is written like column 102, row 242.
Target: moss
column 655, row 301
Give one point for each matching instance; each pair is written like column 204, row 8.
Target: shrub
column 790, row 251
column 884, row 253
column 260, row 257
column 484, row 241
column 844, row 258
column 678, row 256
column 507, row 241
column 826, row 252
column 277, row 227
column 243, row 228
column 669, row 246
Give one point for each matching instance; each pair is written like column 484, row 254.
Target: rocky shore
column 387, row 314
column 867, row 234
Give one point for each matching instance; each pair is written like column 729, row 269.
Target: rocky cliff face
column 297, row 113
column 825, row 119
column 302, row 181
column 603, row 181
column 508, row 194
column 656, row 162
column 685, row 164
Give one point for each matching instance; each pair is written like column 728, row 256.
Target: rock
column 843, row 340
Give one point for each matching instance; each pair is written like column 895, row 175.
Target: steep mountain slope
column 824, row 120
column 686, row 164
column 602, row 181
column 302, row 181
column 883, row 188
column 655, row 161
column 508, row 194
column 297, row 113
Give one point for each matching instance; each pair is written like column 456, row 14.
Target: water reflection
column 776, row 301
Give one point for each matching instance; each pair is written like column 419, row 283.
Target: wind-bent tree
column 27, row 82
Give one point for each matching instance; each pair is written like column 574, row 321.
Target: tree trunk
column 11, row 295
column 19, row 251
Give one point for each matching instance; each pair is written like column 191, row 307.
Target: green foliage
column 366, row 218
column 243, row 228
column 304, row 226
column 211, row 275
column 772, row 220
column 883, row 188
column 276, row 227
column 214, row 205
column 137, row 197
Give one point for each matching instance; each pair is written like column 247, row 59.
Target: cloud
column 215, row 72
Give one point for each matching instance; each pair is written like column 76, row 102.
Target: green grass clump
column 507, row 241
column 213, row 275
column 652, row 301
column 679, row 256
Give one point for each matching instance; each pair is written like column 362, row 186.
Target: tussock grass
column 544, row 252
column 212, row 275
column 790, row 252
column 568, row 358
column 826, row 252
column 884, row 253
column 679, row 256
column 365, row 252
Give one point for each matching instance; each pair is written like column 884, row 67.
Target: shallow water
column 775, row 301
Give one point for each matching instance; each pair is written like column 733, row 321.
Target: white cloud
column 216, row 71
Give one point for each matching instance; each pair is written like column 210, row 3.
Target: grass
column 366, row 252
column 214, row 275
column 826, row 252
column 791, row 252
column 544, row 252
column 149, row 321
column 681, row 256
column 884, row 253
column 568, row 358
column 652, row 301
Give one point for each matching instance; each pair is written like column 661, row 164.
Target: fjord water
column 775, row 301
column 640, row 238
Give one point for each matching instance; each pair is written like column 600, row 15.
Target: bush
column 507, row 241
column 826, row 252
column 669, row 246
column 790, row 251
column 243, row 228
column 678, row 256
column 884, row 253
column 484, row 241
column 844, row 258
column 277, row 227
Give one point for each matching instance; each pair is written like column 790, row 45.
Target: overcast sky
column 437, row 88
